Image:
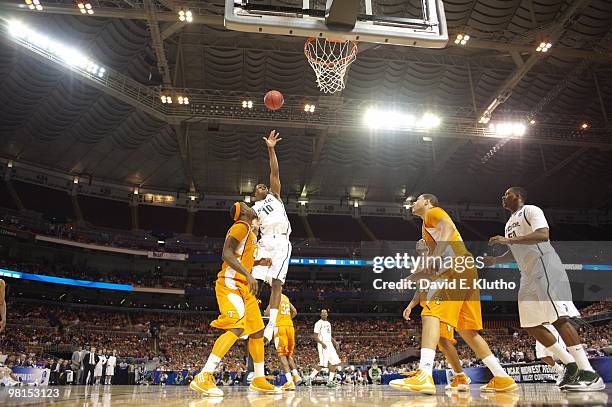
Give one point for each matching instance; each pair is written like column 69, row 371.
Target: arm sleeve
column 535, row 217
column 238, row 231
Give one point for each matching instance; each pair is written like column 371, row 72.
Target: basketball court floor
column 170, row 396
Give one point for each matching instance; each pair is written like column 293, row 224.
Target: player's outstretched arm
column 275, row 184
column 504, row 258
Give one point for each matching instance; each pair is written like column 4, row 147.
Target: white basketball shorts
column 278, row 249
column 328, row 356
column 545, row 294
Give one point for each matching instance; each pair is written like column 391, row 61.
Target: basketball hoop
column 330, row 60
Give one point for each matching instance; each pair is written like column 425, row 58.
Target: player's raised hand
column 499, row 240
column 272, row 139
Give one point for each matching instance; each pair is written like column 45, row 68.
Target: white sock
column 295, row 372
column 580, row 356
column 558, row 368
column 314, row 374
column 273, row 315
column 331, row 377
column 561, row 354
column 427, row 360
column 493, row 364
column 288, row 377
column 211, row 363
column 259, row 369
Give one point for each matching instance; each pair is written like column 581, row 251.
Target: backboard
column 417, row 23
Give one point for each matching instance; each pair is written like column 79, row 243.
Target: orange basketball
column 274, row 100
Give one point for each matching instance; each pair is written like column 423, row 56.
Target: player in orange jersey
column 460, row 381
column 284, row 340
column 459, row 308
column 239, row 312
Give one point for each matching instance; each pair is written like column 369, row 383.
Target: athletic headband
column 236, row 211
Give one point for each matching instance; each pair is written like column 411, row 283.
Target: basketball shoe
column 499, row 385
column 460, row 382
column 288, row 386
column 204, row 383
column 418, row 382
column 261, row 385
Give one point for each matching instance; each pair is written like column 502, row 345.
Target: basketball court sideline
column 238, row 396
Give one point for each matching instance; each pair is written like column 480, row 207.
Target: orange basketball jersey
column 432, row 217
column 245, row 252
column 284, row 312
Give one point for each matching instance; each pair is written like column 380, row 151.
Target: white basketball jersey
column 323, row 329
column 272, row 215
column 521, row 223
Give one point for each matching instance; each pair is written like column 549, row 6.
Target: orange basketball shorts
column 458, row 307
column 284, row 340
column 238, row 308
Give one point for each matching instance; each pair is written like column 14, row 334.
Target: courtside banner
column 32, row 375
column 167, row 256
column 573, row 271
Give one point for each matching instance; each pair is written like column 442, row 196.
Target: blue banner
column 65, row 281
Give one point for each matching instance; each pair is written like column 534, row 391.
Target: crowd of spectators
column 185, row 339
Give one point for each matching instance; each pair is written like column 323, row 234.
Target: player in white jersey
column 274, row 235
column 545, row 296
column 326, row 345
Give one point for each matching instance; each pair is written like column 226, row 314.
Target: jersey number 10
column 267, row 209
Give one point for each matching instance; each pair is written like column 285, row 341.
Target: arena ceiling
column 51, row 119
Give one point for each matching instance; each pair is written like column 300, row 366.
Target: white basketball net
column 330, row 60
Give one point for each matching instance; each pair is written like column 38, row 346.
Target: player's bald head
column 433, row 200
column 519, row 192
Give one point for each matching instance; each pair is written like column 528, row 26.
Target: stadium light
column 166, row 99
column 508, row 129
column 135, row 190
column 247, row 104
column 532, row 122
column 75, row 180
column 544, row 46
column 303, row 201
column 9, row 164
column 355, row 203
column 484, row 119
column 247, row 198
column 462, row 39
column 309, row 108
column 183, row 100
column 42, row 44
column 185, row 15
column 427, row 138
column 390, row 119
column 584, row 126
column 85, row 7
column 34, row 5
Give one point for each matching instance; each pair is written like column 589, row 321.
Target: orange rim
column 313, row 59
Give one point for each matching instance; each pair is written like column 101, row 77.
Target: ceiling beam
column 560, row 165
column 200, row 17
column 170, row 29
column 180, row 129
column 557, row 29
column 116, row 12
